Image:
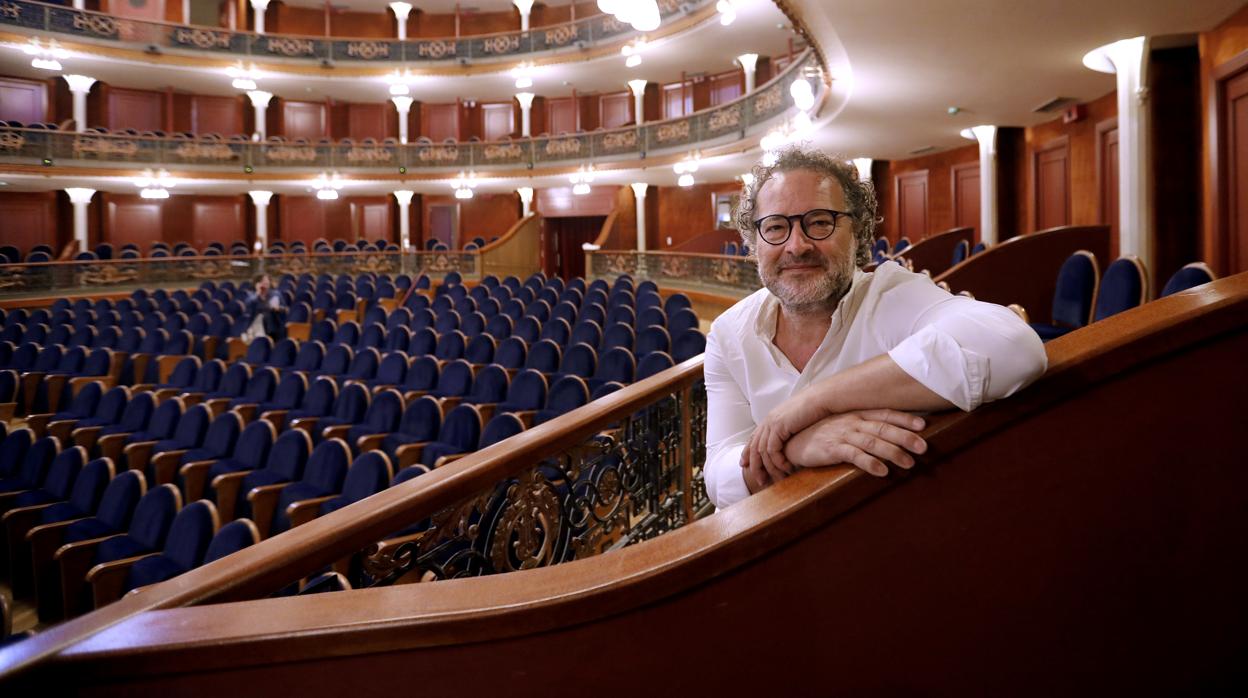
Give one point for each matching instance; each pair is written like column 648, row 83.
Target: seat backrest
column 193, row 427
column 89, row 486
column 653, row 363
column 491, row 384
column 154, row 516
column 1077, row 281
column 511, row 353
column 618, row 334
column 209, row 376
column 223, row 433
column 138, row 413
column 568, row 393
column 1124, row 286
column 480, row 349
column 327, row 466
column 255, row 442
column 120, row 498
column 35, row 465
column 545, row 356
column 310, row 355
column 1189, row 276
column 63, row 471
column 234, row 382
column 190, row 533
column 680, row 320
column 369, row 474
column 165, row 419
column 290, row 454
column 231, row 538
column 579, row 360
column 337, row 360
column 422, row 419
column 500, row 427
column 461, row 428
column 184, row 372
column 352, row 403
column 451, row 345
column 393, row 369
column 652, row 338
column 456, row 378
column 258, row 351
column 385, row 412
column 262, row 384
column 422, row 374
column 87, row 399
column 528, row 390
column 364, row 364
column 688, row 344
column 618, row 364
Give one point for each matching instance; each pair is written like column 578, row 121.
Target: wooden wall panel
column 1107, row 179
column 966, row 196
column 498, row 121
column 29, row 219
column 615, row 109
column 726, row 87
column 684, row 213
column 488, row 215
column 941, row 214
column 372, row 218
column 560, row 201
column 439, row 121
column 1051, row 184
column 561, row 116
column 911, row 215
column 372, row 25
column 308, row 120
column 152, row 10
column 217, row 219
column 212, row 114
column 142, row 110
column 285, row 19
column 1222, row 51
column 369, row 121
column 130, row 219
column 677, row 99
column 23, row 100
column 1084, row 195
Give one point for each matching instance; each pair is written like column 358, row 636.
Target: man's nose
column 798, row 243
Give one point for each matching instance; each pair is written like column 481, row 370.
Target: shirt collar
column 769, row 310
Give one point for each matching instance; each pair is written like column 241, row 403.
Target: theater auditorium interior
column 358, row 347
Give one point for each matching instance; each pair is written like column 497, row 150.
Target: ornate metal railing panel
column 712, row 273
column 126, row 274
column 631, row 481
column 727, row 121
column 141, row 34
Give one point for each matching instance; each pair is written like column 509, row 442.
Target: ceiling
column 897, row 67
column 429, row 6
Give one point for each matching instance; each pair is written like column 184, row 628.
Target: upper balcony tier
column 597, row 31
column 724, row 125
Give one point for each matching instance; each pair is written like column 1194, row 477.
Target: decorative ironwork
column 439, row 154
column 436, row 49
column 676, row 267
column 105, row 147
column 10, row 140
column 621, row 263
column 10, row 10
column 106, row 275
column 768, row 100
column 620, row 140
column 677, row 130
column 503, row 43
column 368, row 50
column 211, row 270
column 721, row 274
column 506, row 151
column 369, row 155
column 205, row 151
column 724, row 119
column 99, row 25
column 201, row 38
column 290, row 153
column 290, row 46
column 11, row 278
column 376, row 264
column 631, row 481
column 561, row 35
column 563, row 147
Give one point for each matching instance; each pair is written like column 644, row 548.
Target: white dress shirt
column 966, row 351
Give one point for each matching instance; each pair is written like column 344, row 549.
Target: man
column 264, row 305
column 826, row 364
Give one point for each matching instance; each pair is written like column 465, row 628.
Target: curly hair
column 859, row 195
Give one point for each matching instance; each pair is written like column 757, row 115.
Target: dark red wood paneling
column 561, row 115
column 223, row 115
column 439, row 121
column 966, row 195
column 677, row 100
column 142, row 110
column 1237, row 173
column 497, row 121
column 23, row 100
column 368, row 121
column 912, row 205
column 1107, row 176
column 28, row 219
column 305, row 120
column 152, row 10
column 616, row 109
column 217, row 219
column 128, row 218
column 726, row 87
column 1051, row 169
column 372, row 219
column 560, row 201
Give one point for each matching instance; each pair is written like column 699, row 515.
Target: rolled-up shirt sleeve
column 729, row 424
column 966, row 351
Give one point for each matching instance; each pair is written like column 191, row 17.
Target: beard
column 816, row 290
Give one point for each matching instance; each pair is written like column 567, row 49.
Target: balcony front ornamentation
column 201, row 38
column 290, row 46
column 368, row 50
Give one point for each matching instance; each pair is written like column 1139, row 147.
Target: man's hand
column 766, row 446
column 865, row 438
column 756, row 478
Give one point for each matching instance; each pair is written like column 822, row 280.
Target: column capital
column 260, row 198
column 79, row 83
column 80, row 195
column 259, row 5
column 525, row 99
column 526, row 194
column 863, row 165
column 638, row 87
column 748, row 61
column 401, row 10
column 639, row 189
column 402, row 102
column 404, row 197
column 525, row 6
column 259, row 98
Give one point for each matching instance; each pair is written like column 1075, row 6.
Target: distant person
column 265, row 308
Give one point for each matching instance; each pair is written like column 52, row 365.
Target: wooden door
column 1107, row 179
column 217, row 219
column 371, row 220
column 966, row 196
column 1050, row 168
column 304, row 120
column 23, row 100
column 561, row 115
column 152, row 10
column 677, row 100
column 911, row 189
column 497, row 121
column 616, row 110
column 444, row 224
column 1236, row 184
column 131, row 219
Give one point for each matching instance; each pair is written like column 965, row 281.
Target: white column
column 748, row 62
column 404, row 105
column 261, row 201
column 987, row 137
column 80, row 4
column 81, row 199
column 404, row 197
column 863, row 165
column 1128, row 60
column 80, row 86
column 639, row 91
column 526, row 200
column 525, row 7
column 186, row 11
column 526, row 117
column 401, row 11
column 260, row 7
column 260, row 102
column 639, row 191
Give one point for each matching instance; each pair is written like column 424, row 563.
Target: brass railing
column 730, row 121
column 217, row 42
column 726, row 275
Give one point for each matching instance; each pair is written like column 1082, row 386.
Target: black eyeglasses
column 817, row 224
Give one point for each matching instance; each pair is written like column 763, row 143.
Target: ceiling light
column 243, row 84
column 326, row 194
column 399, row 89
column 685, row 180
column 643, row 15
column 727, row 11
column 803, row 94
column 523, row 73
column 154, row 193
column 633, row 61
column 46, row 63
column 580, row 189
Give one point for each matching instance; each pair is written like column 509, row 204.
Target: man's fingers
column 908, row 440
column 774, row 453
column 905, row 420
column 862, row 460
column 881, row 448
